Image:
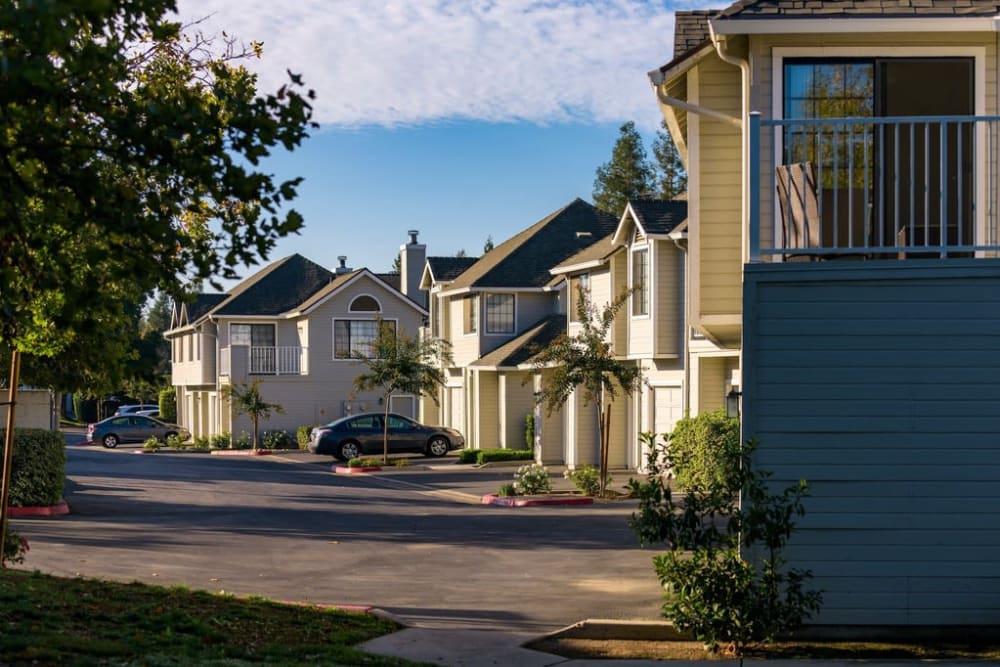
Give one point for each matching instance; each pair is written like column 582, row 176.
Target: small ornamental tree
column 722, row 598
column 246, row 399
column 398, row 362
column 587, row 361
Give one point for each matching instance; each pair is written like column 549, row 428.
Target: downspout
column 681, row 241
column 720, row 48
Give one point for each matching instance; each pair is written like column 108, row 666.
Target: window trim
column 333, row 332
column 378, row 304
column 513, row 314
column 470, row 314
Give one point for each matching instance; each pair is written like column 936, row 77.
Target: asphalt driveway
column 410, row 541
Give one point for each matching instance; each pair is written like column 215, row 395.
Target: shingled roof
column 525, row 259
column 522, row 349
column 750, row 9
column 279, row 287
column 691, row 29
column 446, row 269
column 202, row 304
column 596, row 253
column 659, row 216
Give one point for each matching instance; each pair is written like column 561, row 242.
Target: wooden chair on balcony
column 798, row 201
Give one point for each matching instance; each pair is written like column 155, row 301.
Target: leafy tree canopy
column 129, row 160
column 629, row 174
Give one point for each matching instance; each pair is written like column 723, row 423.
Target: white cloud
column 394, row 62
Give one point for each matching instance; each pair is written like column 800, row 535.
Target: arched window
column 365, row 304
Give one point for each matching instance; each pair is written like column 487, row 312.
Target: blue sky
column 460, row 118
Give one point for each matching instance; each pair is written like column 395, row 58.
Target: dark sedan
column 358, row 435
column 132, row 428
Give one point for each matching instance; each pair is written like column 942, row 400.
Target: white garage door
column 668, row 408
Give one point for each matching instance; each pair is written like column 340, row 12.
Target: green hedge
column 482, row 456
column 168, row 405
column 38, row 469
column 302, row 434
column 705, row 452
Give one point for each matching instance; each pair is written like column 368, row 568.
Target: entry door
column 456, row 399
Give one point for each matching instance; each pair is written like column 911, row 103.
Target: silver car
column 132, row 428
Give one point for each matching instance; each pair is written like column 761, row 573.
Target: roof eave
column 849, row 24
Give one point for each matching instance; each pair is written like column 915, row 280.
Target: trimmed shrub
column 532, row 479
column 220, row 441
column 201, row 443
column 302, row 436
column 38, row 469
column 277, row 440
column 168, row 405
column 587, row 479
column 705, row 452
column 467, row 455
column 482, row 456
column 152, row 444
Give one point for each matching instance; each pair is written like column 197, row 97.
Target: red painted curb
column 241, row 452
column 52, row 510
column 347, row 470
column 145, row 451
column 509, row 501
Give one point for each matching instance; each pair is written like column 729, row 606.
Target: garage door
column 667, row 408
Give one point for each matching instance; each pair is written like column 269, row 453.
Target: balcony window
column 499, row 313
column 356, row 338
column 260, row 339
column 640, row 282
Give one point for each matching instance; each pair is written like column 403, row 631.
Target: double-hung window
column 499, row 313
column 470, row 314
column 356, row 338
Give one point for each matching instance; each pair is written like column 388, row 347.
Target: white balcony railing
column 266, row 360
column 874, row 188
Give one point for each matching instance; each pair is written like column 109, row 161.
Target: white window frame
column 577, row 283
column 470, row 315
column 647, row 289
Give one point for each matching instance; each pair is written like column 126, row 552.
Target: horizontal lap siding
column 882, row 388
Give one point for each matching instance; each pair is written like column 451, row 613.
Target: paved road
column 412, row 542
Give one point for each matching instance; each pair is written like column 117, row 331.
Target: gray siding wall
column 879, row 383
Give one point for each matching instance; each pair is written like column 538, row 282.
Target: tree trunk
column 8, row 447
column 605, row 445
column 254, row 445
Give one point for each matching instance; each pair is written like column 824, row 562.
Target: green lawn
column 47, row 620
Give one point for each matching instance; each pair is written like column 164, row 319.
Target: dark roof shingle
column 202, row 304
column 446, row 269
column 282, row 287
column 659, row 216
column 524, row 260
column 522, row 349
column 749, row 9
column 691, row 29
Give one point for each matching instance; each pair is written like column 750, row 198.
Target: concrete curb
column 348, row 470
column 534, row 501
column 52, row 510
column 637, row 630
column 241, row 452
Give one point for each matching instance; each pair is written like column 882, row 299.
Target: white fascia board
column 853, row 24
column 592, row 264
column 494, row 290
column 659, row 75
column 355, row 278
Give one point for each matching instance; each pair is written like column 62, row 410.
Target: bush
column 201, row 443
column 14, row 548
column 711, row 590
column 221, row 441
column 705, row 452
column 168, row 405
column 482, row 456
column 529, row 431
column 359, row 462
column 507, row 490
column 174, row 442
column 587, row 479
column 152, row 444
column 302, row 434
column 277, row 440
column 242, row 441
column 38, row 468
column 532, row 479
column 467, row 455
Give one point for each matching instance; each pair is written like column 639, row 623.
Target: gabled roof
column 524, row 260
column 654, row 217
column 345, row 280
column 522, row 349
column 202, row 304
column 446, row 269
column 279, row 287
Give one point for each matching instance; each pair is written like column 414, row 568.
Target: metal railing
column 895, row 187
column 265, row 360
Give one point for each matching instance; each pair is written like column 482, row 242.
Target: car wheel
column 349, row 450
column 167, row 436
column 110, row 441
column 438, row 446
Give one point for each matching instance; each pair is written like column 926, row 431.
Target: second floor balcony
column 244, row 360
column 896, row 188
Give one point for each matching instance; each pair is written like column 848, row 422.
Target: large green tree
column 587, row 362
column 671, row 177
column 399, row 362
column 130, row 159
column 627, row 175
